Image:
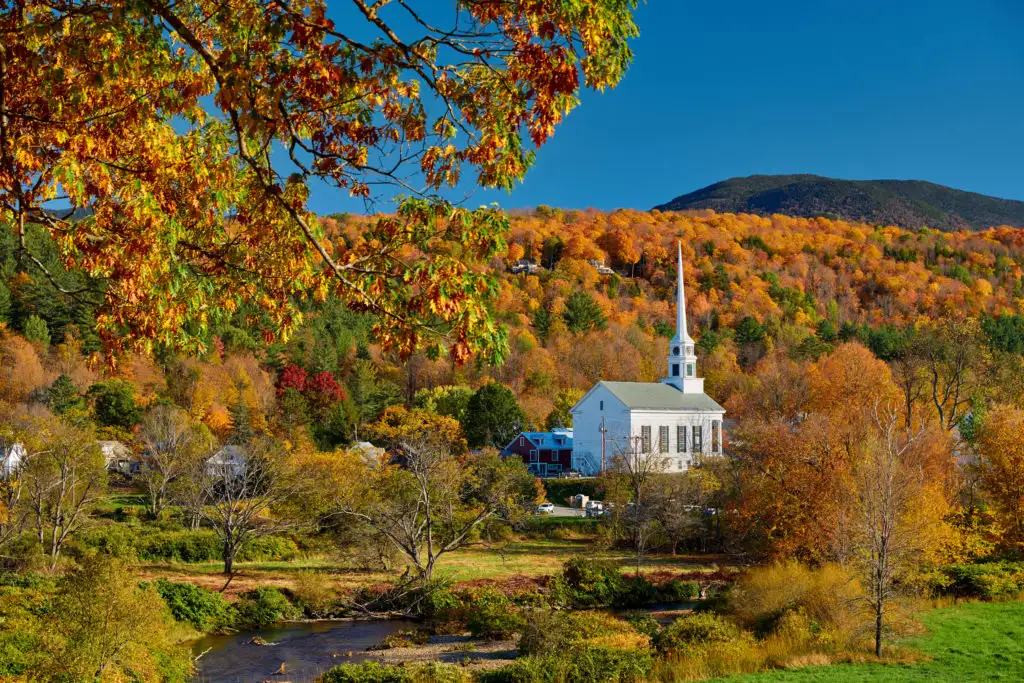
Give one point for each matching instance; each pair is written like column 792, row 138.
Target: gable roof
column 556, row 439
column 660, row 396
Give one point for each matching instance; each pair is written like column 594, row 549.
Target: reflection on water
column 306, row 650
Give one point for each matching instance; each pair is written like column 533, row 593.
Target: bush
column 402, row 638
column 829, row 596
column 182, row 545
column 494, row 617
column 262, row 607
column 644, row 622
column 375, row 672
column 316, row 596
column 697, row 631
column 546, row 632
column 679, row 591
column 985, row 581
column 588, row 583
column 636, row 591
column 586, row 665
column 202, row 608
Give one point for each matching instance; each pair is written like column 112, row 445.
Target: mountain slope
column 907, row 203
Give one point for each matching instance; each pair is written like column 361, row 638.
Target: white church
column 672, row 418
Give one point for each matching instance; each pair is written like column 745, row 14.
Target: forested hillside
column 757, row 287
column 907, row 203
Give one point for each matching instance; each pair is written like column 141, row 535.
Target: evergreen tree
column 5, row 303
column 493, row 417
column 114, row 404
column 241, row 423
column 62, row 396
column 582, row 314
column 36, row 331
column 542, row 321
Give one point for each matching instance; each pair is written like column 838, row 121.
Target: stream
column 306, row 649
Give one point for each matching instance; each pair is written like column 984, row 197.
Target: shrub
column 636, row 591
column 829, row 596
column 644, row 622
column 697, row 631
column 262, row 607
column 316, row 596
column 495, row 619
column 202, row 608
column 679, row 591
column 986, row 581
column 375, row 672
column 586, row 665
column 402, row 638
column 546, row 632
column 588, row 583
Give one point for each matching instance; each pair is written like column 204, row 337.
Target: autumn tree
column 171, row 445
column 1002, row 470
column 899, row 508
column 430, row 505
column 160, row 117
column 635, row 468
column 247, row 495
column 104, row 626
column 64, row 476
column 560, row 415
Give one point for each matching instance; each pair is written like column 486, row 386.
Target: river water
column 305, row 649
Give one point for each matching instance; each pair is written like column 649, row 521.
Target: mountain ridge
column 906, row 203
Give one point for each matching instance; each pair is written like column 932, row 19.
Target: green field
column 970, row 642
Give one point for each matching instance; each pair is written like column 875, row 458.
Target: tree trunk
column 879, row 613
column 229, row 558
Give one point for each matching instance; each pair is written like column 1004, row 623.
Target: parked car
column 545, row 508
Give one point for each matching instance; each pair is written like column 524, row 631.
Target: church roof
column 659, row 396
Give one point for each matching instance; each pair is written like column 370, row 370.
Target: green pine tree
column 63, row 397
column 582, row 314
column 36, row 331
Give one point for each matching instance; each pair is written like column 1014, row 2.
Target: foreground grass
column 969, row 642
column 531, row 558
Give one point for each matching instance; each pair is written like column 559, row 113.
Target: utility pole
column 604, row 430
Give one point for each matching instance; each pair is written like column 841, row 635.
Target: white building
column 227, row 463
column 12, row 457
column 673, row 418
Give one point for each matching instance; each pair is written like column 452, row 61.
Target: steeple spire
column 682, row 361
column 681, row 333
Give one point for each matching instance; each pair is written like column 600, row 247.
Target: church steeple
column 682, row 361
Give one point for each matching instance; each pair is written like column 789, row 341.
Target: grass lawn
column 520, row 558
column 970, row 642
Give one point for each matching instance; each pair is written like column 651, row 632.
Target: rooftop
column 660, row 396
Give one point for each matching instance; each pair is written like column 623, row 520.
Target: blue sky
column 859, row 89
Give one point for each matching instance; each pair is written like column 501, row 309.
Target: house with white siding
column 672, row 418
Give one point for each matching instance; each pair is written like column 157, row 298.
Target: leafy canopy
column 191, row 133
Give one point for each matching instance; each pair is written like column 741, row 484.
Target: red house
column 546, row 454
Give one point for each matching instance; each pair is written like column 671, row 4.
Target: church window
column 715, row 435
column 675, row 350
column 663, row 439
column 602, row 405
column 645, row 439
column 675, row 369
column 680, row 438
column 698, row 439
column 689, row 369
column 689, row 350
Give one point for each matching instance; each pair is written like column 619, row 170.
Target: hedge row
column 201, row 545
